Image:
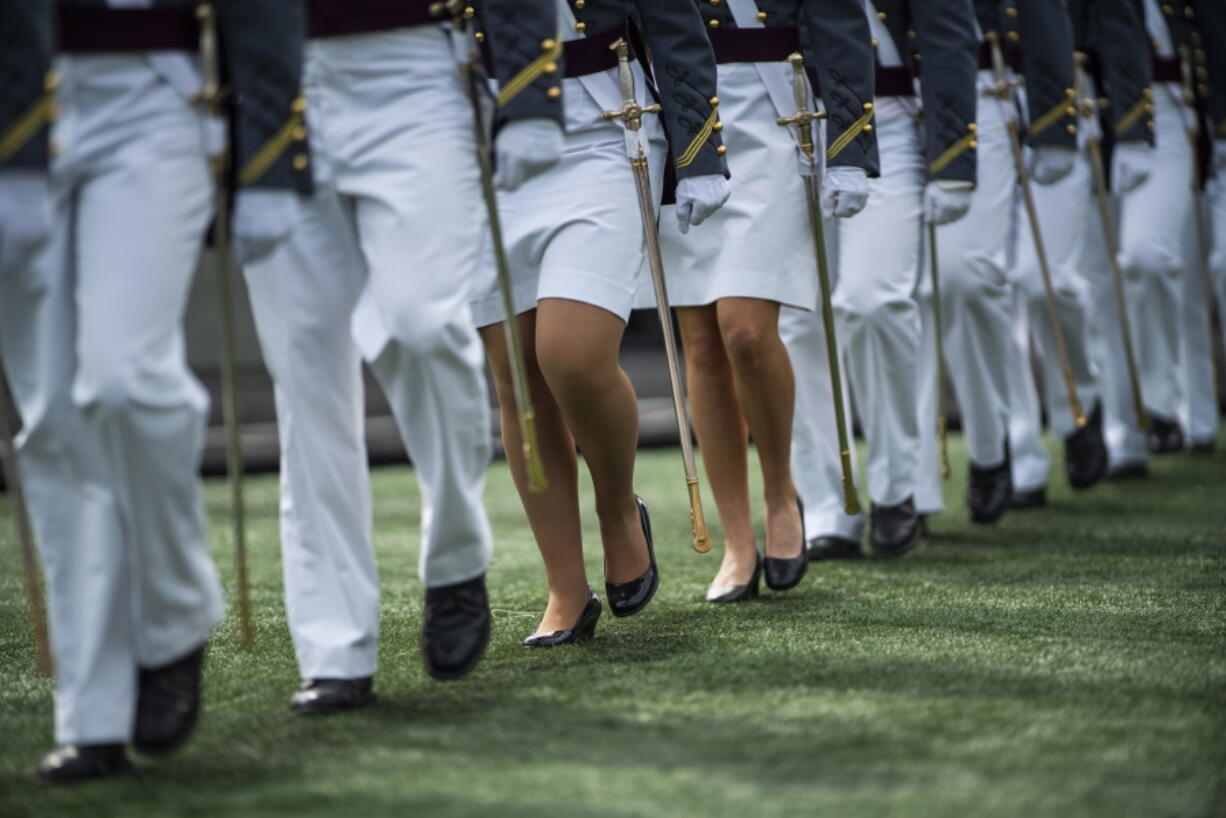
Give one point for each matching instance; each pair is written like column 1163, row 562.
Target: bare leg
column 553, row 515
column 577, row 347
column 766, row 391
column 722, row 437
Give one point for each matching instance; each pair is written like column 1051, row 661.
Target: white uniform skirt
column 575, row 232
column 759, row 245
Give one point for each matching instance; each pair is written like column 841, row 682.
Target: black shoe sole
column 452, row 674
column 900, row 550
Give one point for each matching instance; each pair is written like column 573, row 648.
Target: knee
column 976, row 278
column 704, row 349
column 421, row 328
column 866, row 307
column 746, row 341
column 1151, row 260
column 112, row 381
column 569, row 369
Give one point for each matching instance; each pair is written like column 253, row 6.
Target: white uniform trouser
column 381, row 267
column 1198, row 413
column 1126, row 443
column 876, row 309
column 816, row 468
column 1215, row 204
column 91, row 334
column 1154, row 222
column 976, row 303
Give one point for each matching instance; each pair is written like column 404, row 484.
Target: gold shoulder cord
column 861, row 125
column 292, row 131
column 547, row 63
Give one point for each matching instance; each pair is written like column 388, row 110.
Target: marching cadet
column 1116, row 111
column 927, row 176
column 729, row 277
column 977, row 296
column 1064, row 202
column 1156, row 230
column 1199, row 411
column 379, row 266
column 1213, row 30
column 113, row 418
column 575, row 246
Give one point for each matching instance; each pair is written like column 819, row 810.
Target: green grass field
column 1070, row 662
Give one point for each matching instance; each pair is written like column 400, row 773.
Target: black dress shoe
column 583, row 630
column 1165, row 436
column 740, row 593
column 69, row 763
column 168, row 704
column 1132, row 470
column 784, row 573
column 1085, row 452
column 319, row 697
column 628, row 598
column 896, row 529
column 834, row 548
column 1024, row 500
column 989, row 490
column 456, row 628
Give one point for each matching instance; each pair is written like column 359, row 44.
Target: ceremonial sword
column 803, row 119
column 1003, row 90
column 934, row 271
column 530, row 448
column 1089, row 108
column 25, row 536
column 231, row 398
column 631, row 116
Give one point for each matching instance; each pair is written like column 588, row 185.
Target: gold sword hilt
column 804, row 118
column 631, row 113
column 1003, row 89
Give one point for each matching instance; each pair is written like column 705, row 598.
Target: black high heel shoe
column 740, row 593
column 583, row 630
column 628, row 598
column 784, row 574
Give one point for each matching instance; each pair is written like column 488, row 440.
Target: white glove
column 25, row 215
column 947, row 200
column 698, row 197
column 1130, row 163
column 525, row 148
column 263, row 220
column 1051, row 163
column 844, row 191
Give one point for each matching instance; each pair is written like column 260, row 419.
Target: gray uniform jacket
column 939, row 36
column 1041, row 31
column 521, row 40
column 683, row 68
column 261, row 61
column 1112, row 33
column 837, row 45
column 26, row 105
